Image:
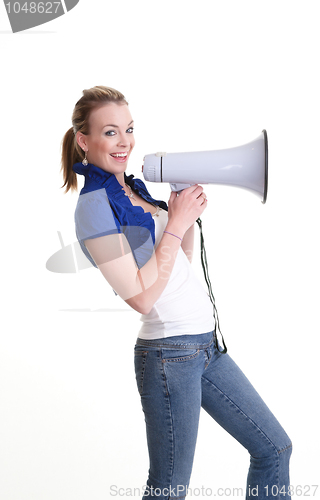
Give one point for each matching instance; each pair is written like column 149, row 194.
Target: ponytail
column 69, row 157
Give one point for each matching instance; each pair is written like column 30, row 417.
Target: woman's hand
column 185, row 208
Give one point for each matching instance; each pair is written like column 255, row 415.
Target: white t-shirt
column 184, row 307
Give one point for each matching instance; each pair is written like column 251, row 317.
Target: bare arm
column 142, row 288
column 188, row 242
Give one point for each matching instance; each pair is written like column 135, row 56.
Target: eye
column 130, row 130
column 110, row 133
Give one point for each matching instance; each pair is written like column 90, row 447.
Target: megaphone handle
column 178, row 187
column 211, row 296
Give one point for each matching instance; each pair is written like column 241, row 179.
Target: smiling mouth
column 120, row 156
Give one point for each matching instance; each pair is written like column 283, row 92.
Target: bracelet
column 173, row 235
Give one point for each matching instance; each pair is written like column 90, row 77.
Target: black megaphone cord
column 204, row 263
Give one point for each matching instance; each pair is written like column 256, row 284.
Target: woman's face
column 111, row 139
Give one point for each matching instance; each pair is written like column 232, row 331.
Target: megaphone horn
column 243, row 166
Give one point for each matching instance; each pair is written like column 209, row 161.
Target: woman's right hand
column 185, row 208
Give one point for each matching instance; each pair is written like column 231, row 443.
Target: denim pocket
column 140, row 358
column 178, row 355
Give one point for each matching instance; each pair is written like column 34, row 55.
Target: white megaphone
column 242, row 166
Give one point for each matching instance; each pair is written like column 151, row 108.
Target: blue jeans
column 175, row 377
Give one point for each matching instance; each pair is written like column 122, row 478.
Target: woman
column 144, row 249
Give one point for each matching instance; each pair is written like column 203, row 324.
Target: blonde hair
column 71, row 151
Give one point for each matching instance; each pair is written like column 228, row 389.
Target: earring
column 85, row 161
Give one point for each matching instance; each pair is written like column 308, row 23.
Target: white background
column 198, row 75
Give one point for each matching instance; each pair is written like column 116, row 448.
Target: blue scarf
column 133, row 221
